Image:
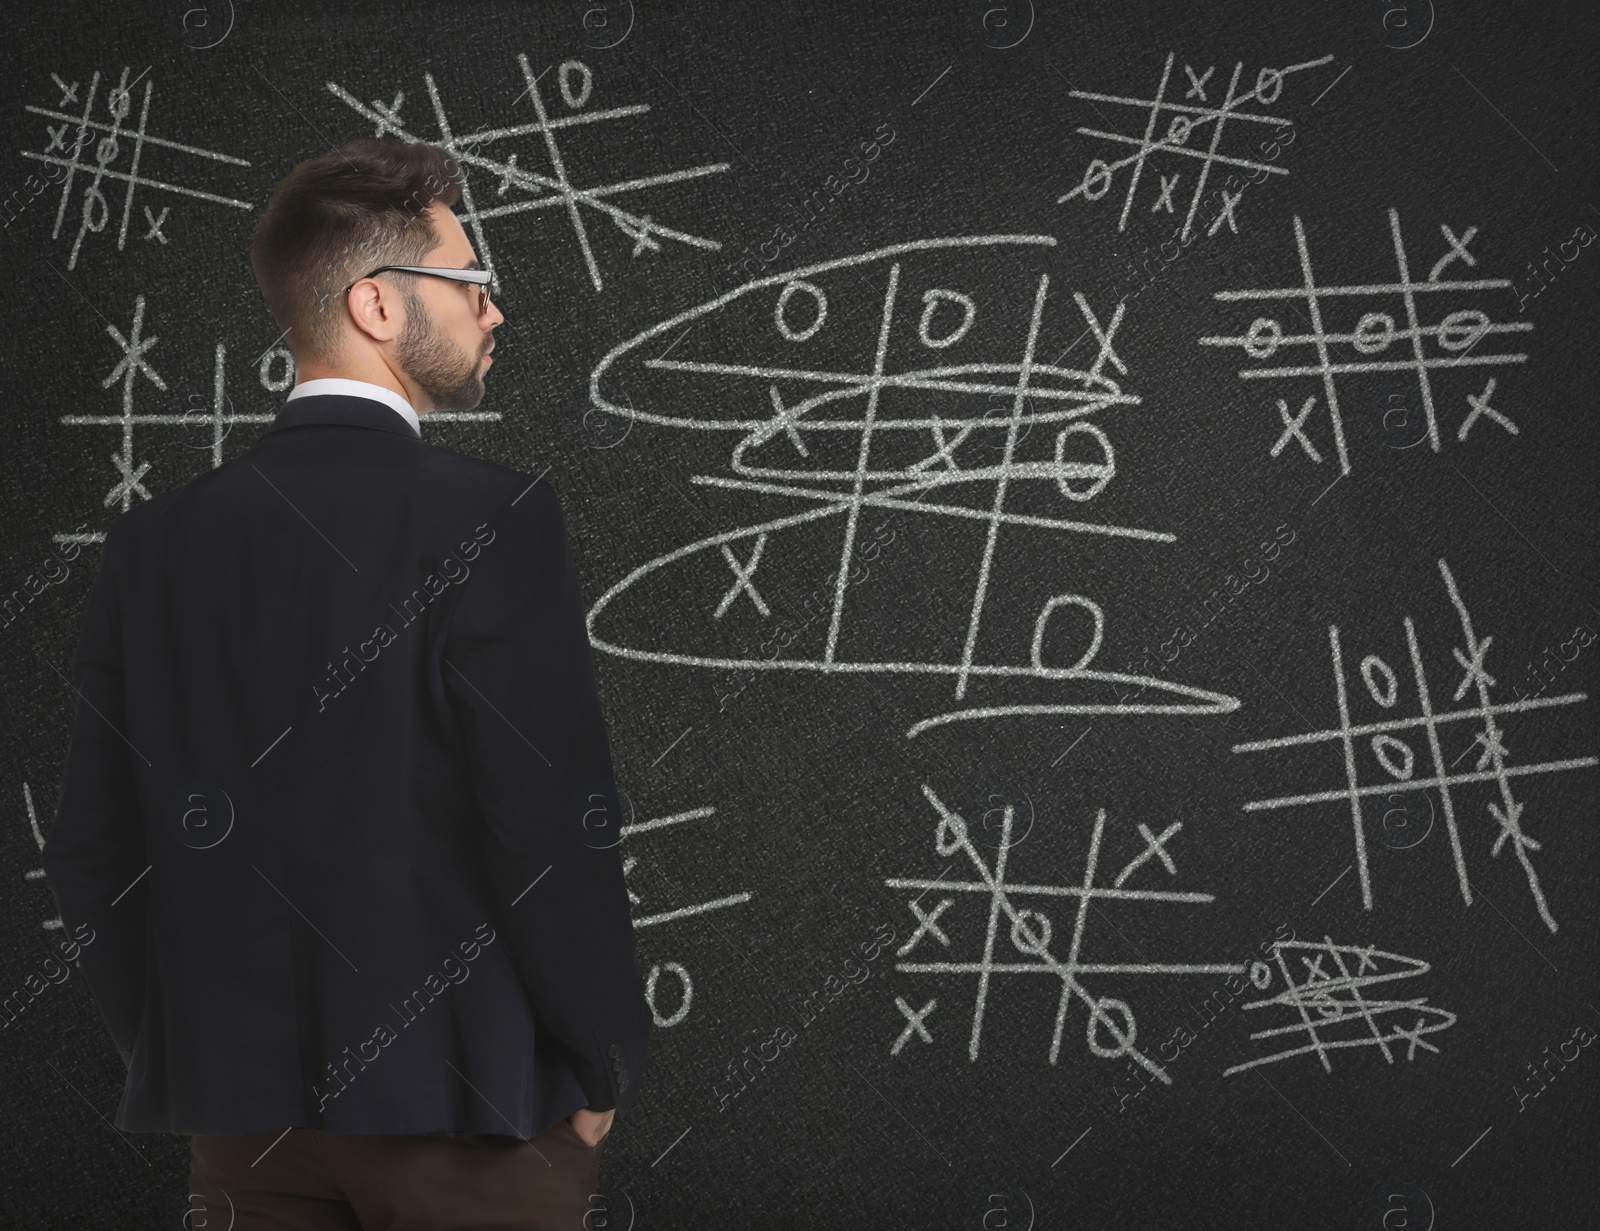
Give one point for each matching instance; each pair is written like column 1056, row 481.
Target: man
column 338, row 813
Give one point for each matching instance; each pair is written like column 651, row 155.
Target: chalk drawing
column 1403, row 768
column 676, row 972
column 552, row 189
column 53, row 923
column 1183, row 120
column 1453, row 338
column 1327, row 990
column 209, row 423
column 94, row 213
column 847, row 414
column 1110, row 1028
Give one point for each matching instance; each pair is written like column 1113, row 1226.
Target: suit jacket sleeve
column 94, row 854
column 519, row 674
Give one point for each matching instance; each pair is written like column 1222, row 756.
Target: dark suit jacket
column 338, row 826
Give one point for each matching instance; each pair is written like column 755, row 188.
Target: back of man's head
column 335, row 217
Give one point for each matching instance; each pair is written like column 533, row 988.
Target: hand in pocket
column 591, row 1126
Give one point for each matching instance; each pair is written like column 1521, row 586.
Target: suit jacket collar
column 341, row 410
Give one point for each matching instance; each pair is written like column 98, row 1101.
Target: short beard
column 440, row 370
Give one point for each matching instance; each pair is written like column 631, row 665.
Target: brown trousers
column 316, row 1181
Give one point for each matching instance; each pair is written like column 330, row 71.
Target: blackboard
column 1087, row 515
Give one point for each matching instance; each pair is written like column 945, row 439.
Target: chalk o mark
column 1461, row 330
column 1384, row 746
column 930, row 303
column 1097, row 172
column 1101, row 472
column 1374, row 331
column 1385, row 695
column 1262, row 339
column 1068, row 600
column 564, row 76
column 277, row 384
column 781, row 320
column 1129, row 1030
column 1027, row 938
column 684, row 983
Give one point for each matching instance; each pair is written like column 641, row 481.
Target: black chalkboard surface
column 1087, row 519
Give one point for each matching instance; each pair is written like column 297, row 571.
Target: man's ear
column 375, row 310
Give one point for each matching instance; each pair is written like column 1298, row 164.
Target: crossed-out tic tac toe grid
column 1455, row 336
column 900, row 419
column 1184, row 120
column 1398, row 760
column 1111, row 1030
column 1333, row 1005
column 549, row 190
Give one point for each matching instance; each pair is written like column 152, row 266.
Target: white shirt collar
column 358, row 389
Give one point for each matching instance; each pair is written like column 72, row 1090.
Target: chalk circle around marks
column 1260, row 975
column 1000, row 1207
column 1127, row 1034
column 1400, row 829
column 996, row 831
column 1394, row 414
column 200, row 24
column 203, row 814
column 1262, row 338
column 999, row 24
column 1399, row 1206
column 602, row 24
column 1400, row 24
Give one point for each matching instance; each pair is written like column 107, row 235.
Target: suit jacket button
column 616, row 1050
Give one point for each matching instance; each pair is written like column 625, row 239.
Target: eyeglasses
column 478, row 276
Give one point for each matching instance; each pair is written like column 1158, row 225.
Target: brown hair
column 335, row 217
